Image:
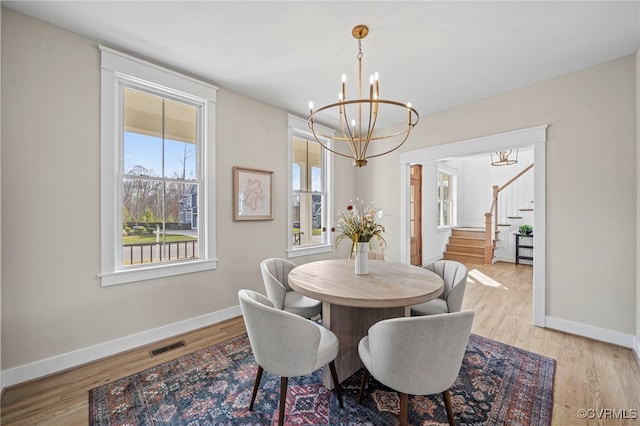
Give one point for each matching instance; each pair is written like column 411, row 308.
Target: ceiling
column 436, row 55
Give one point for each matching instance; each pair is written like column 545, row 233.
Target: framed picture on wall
column 252, row 194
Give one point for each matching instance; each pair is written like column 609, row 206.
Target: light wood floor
column 589, row 374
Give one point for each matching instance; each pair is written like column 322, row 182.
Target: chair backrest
column 453, row 274
column 283, row 343
column 275, row 275
column 376, row 255
column 419, row 355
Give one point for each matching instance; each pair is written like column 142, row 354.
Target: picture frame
column 252, row 194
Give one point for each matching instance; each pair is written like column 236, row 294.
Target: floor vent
column 167, row 348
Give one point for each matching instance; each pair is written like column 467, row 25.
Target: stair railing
column 491, row 218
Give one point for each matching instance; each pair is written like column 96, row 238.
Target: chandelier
column 502, row 158
column 358, row 137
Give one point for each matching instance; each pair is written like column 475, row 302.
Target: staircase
column 501, row 222
column 511, row 206
column 466, row 245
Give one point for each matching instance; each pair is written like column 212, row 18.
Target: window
column 157, row 187
column 309, row 189
column 447, row 214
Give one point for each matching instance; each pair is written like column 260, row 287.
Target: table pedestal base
column 350, row 324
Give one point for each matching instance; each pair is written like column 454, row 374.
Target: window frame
column 298, row 127
column 119, row 70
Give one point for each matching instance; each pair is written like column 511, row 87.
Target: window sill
column 159, row 271
column 445, row 228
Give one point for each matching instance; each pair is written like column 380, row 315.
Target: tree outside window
column 159, row 181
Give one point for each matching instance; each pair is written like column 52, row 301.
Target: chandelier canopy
column 358, row 137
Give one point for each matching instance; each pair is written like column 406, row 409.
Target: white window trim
column 117, row 67
column 298, row 126
column 442, row 168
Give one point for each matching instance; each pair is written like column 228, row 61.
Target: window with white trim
column 157, row 176
column 446, row 196
column 309, row 192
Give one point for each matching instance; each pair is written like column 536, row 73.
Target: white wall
column 52, row 301
column 477, row 177
column 591, row 142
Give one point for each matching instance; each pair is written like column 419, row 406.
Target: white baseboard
column 68, row 360
column 636, row 348
column 595, row 333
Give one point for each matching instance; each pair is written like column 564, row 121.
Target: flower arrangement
column 359, row 224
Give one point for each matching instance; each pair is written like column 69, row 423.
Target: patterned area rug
column 498, row 384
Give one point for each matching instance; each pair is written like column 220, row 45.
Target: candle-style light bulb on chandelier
column 358, row 137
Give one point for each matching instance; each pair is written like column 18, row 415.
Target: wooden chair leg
column 255, row 387
column 447, row 404
column 363, row 384
column 404, row 409
column 283, row 399
column 336, row 383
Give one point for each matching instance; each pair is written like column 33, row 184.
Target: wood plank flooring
column 589, row 374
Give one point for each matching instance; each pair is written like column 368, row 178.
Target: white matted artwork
column 252, row 194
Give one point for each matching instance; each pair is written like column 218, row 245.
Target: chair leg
column 404, row 409
column 255, row 387
column 283, row 399
column 336, row 383
column 447, row 404
column 363, row 384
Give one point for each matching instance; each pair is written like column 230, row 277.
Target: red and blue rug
column 498, row 384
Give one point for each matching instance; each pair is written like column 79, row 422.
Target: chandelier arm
column 310, row 119
column 371, row 126
column 315, row 136
column 406, row 136
column 348, row 139
column 392, row 135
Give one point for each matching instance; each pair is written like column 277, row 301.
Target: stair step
column 526, row 210
column 468, row 233
column 504, row 224
column 466, row 241
column 514, row 217
column 463, row 257
column 465, row 249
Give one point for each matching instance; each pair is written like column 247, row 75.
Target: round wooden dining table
column 352, row 303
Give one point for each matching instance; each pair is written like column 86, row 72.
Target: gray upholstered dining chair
column 454, row 275
column 275, row 274
column 416, row 356
column 286, row 345
column 376, row 255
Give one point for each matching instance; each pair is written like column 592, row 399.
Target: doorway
column 534, row 136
